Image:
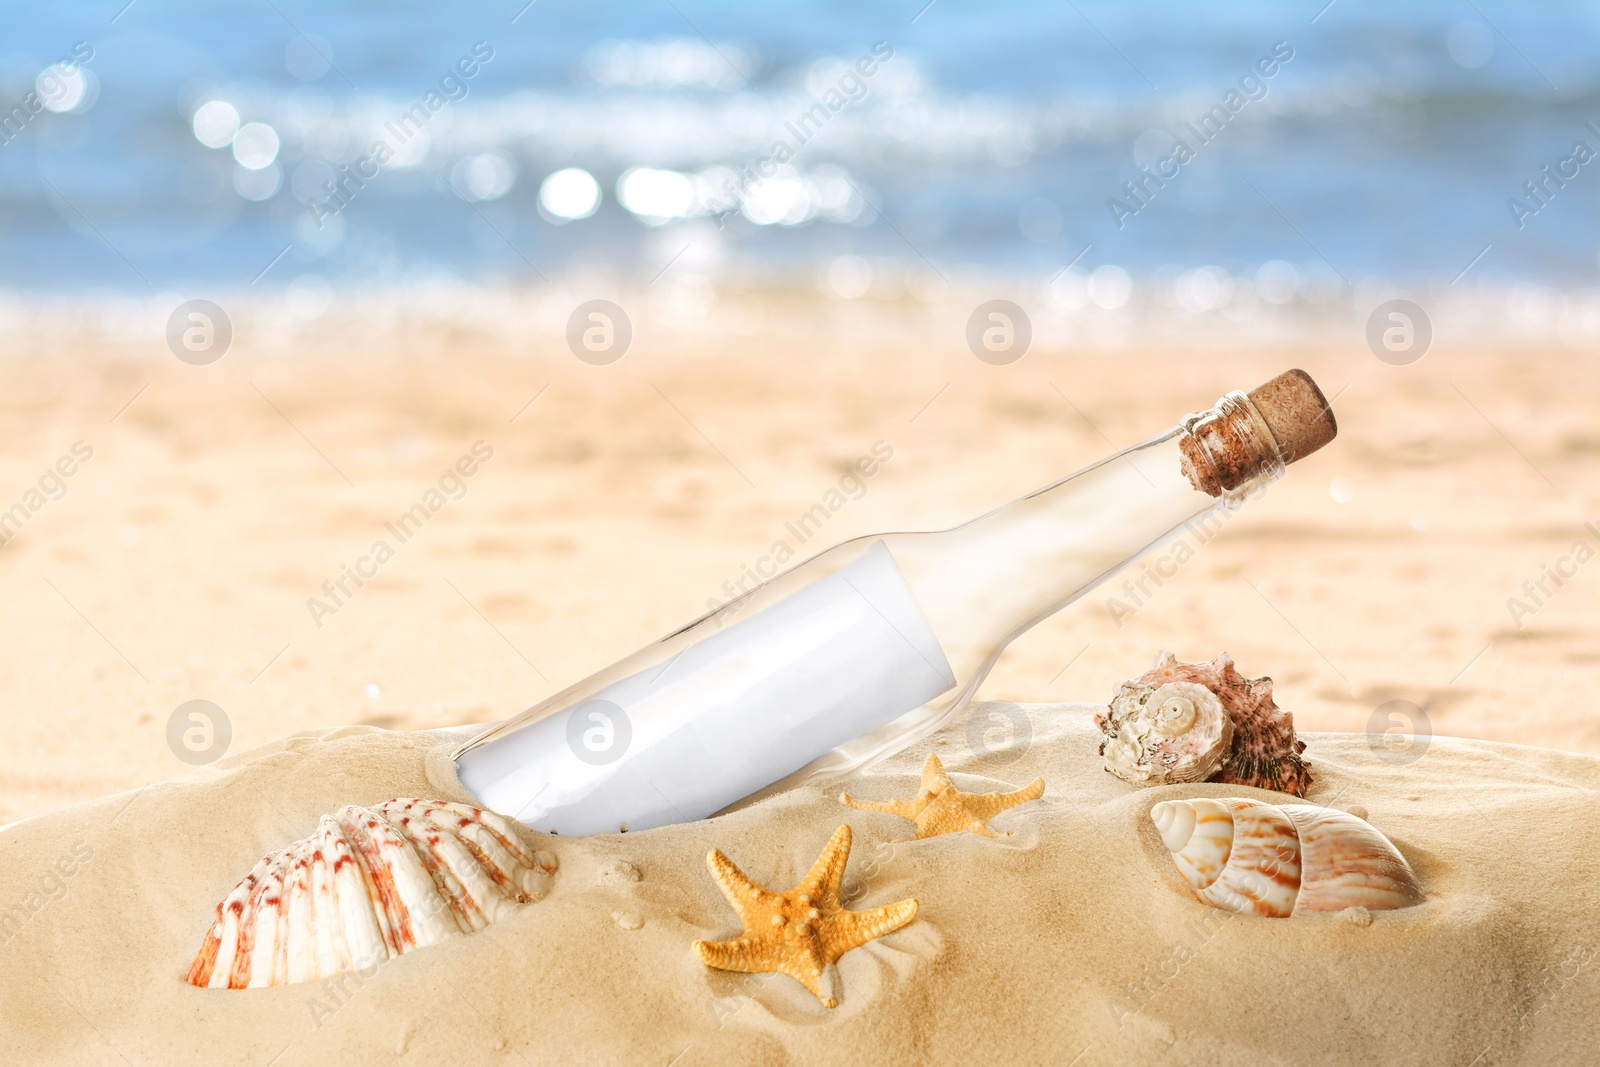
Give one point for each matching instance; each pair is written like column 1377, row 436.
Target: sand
column 1072, row 941
column 180, row 561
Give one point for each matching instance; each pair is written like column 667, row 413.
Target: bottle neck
column 1229, row 451
column 985, row 582
column 989, row 579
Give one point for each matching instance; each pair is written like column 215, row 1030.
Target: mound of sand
column 1073, row 941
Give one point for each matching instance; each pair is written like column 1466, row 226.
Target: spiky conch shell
column 369, row 885
column 1280, row 861
column 1255, row 745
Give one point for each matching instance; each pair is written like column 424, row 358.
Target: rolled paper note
column 682, row 740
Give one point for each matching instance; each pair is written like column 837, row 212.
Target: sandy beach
column 1072, row 941
column 185, row 559
column 371, row 376
column 575, row 512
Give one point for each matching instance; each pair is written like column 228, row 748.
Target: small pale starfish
column 801, row 932
column 941, row 808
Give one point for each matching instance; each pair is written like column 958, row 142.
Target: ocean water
column 1294, row 147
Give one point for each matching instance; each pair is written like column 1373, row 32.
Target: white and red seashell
column 1280, row 861
column 369, row 885
column 1199, row 722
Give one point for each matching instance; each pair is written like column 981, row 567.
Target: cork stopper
column 1296, row 412
column 1227, row 446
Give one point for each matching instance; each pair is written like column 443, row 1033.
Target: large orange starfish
column 941, row 808
column 801, row 932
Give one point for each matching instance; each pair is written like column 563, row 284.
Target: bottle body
column 850, row 655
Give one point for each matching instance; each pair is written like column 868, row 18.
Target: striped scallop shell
column 369, row 885
column 1262, row 859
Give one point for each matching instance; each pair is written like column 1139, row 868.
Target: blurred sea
column 989, row 142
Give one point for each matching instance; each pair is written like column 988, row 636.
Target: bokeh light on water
column 200, row 143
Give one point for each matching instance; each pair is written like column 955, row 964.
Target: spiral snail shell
column 1201, row 722
column 1262, row 859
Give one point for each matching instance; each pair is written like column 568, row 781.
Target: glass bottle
column 871, row 645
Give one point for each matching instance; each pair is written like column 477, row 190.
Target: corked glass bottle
column 871, row 645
